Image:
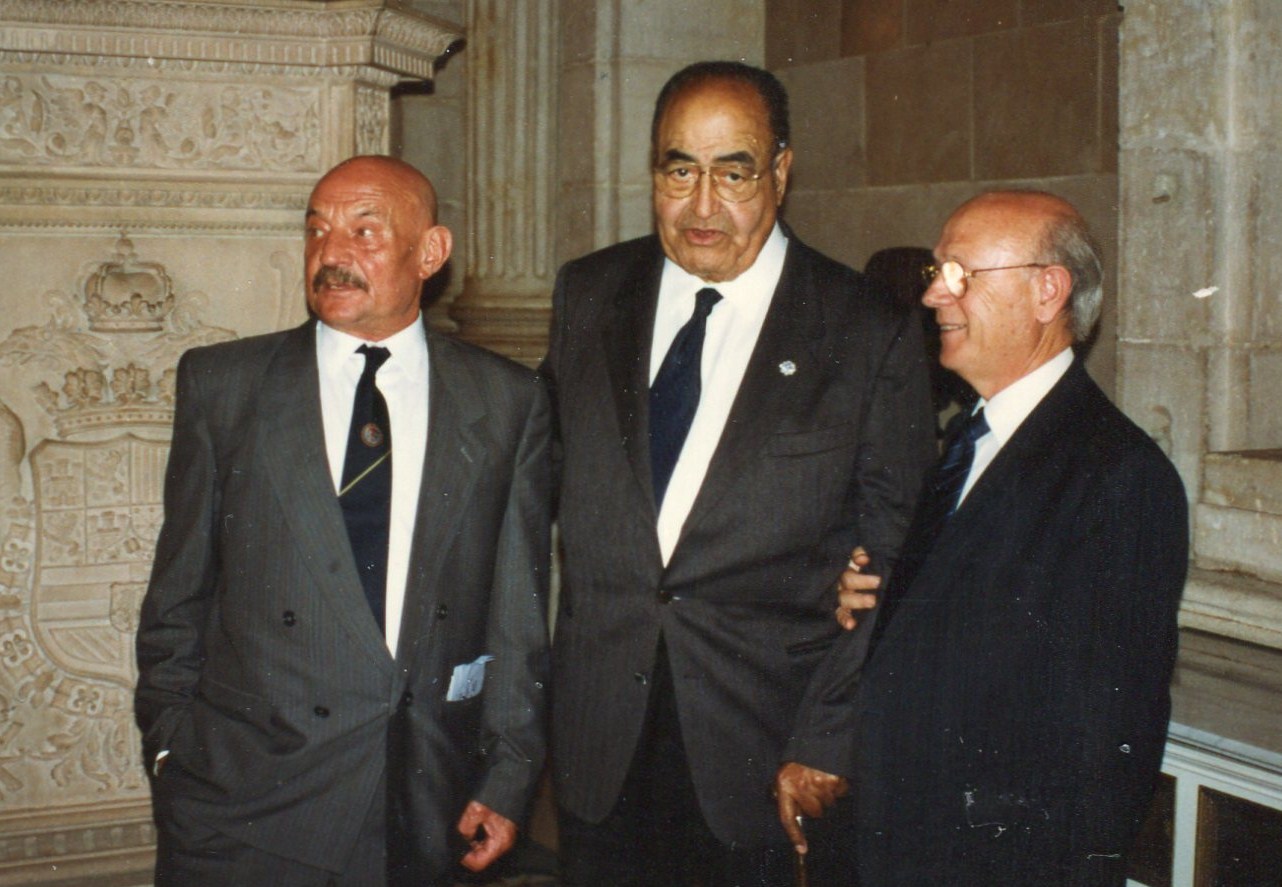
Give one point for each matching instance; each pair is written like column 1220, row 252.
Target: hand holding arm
column 802, row 790
column 497, row 838
column 855, row 589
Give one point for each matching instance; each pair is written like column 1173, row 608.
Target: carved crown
column 128, row 295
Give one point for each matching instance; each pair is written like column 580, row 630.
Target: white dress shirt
column 403, row 383
column 733, row 327
column 1009, row 408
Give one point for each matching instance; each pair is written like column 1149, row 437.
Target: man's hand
column 854, row 589
column 803, row 790
column 497, row 839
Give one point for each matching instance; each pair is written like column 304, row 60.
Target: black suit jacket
column 261, row 667
column 811, row 462
column 1009, row 724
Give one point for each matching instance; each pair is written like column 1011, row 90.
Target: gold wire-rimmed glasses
column 956, row 277
column 732, row 182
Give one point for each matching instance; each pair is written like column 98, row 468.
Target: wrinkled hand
column 499, row 836
column 803, row 790
column 854, row 589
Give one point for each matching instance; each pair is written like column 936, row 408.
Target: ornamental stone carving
column 77, row 550
column 155, row 161
column 63, row 120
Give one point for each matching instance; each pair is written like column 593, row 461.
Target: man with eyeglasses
column 735, row 412
column 1009, row 721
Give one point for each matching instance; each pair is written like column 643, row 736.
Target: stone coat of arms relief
column 80, row 509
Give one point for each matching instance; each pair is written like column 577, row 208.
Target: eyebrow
column 360, row 214
column 743, row 158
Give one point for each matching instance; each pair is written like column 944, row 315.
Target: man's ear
column 1054, row 285
column 434, row 250
column 780, row 169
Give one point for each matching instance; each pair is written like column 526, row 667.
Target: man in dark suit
column 343, row 646
column 735, row 411
column 1008, row 725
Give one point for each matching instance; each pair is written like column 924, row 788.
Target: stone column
column 511, row 100
column 1199, row 321
column 155, row 162
column 615, row 57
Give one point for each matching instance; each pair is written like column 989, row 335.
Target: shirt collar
column 759, row 278
column 408, row 346
column 1011, row 406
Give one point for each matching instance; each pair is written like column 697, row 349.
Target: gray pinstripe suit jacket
column 824, row 447
column 261, row 668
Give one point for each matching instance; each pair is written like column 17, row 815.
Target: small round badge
column 371, row 435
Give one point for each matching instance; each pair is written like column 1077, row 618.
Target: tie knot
column 976, row 426
column 375, row 357
column 704, row 300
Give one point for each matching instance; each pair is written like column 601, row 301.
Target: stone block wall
column 902, row 109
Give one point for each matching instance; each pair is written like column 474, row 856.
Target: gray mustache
column 331, row 275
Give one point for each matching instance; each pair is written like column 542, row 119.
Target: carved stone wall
column 155, row 161
column 1199, row 319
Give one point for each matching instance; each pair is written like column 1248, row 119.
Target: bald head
column 372, row 239
column 395, row 172
column 1059, row 236
column 1019, row 282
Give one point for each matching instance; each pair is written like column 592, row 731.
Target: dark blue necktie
column 366, row 491
column 674, row 394
column 955, row 467
column 939, row 501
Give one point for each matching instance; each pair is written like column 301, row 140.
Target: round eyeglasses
column 956, row 277
column 731, row 182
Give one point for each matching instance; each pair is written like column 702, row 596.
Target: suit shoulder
column 618, row 256
column 1117, row 442
column 849, row 290
column 481, row 362
column 251, row 351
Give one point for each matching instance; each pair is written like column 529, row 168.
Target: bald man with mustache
column 343, row 650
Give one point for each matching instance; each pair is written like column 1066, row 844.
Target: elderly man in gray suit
column 343, row 648
column 735, row 412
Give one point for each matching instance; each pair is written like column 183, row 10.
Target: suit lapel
column 457, row 454
column 1042, row 432
column 785, row 358
column 996, row 498
column 626, row 342
column 293, row 451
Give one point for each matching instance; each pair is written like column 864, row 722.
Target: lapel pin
column 371, row 435
column 787, row 367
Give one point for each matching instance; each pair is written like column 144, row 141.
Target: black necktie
column 939, row 501
column 955, row 467
column 366, row 492
column 674, row 394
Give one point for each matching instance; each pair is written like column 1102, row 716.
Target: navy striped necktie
column 366, row 491
column 674, row 394
column 955, row 467
column 939, row 501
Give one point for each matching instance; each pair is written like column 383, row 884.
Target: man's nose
column 937, row 294
column 333, row 248
column 706, row 201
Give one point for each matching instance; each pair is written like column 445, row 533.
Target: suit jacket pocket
column 806, row 443
column 813, row 645
column 222, row 701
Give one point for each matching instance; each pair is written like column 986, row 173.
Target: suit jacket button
column 321, row 711
column 407, row 698
column 641, row 678
column 441, row 611
column 665, row 596
column 289, row 618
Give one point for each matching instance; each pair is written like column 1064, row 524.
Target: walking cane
column 799, row 863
